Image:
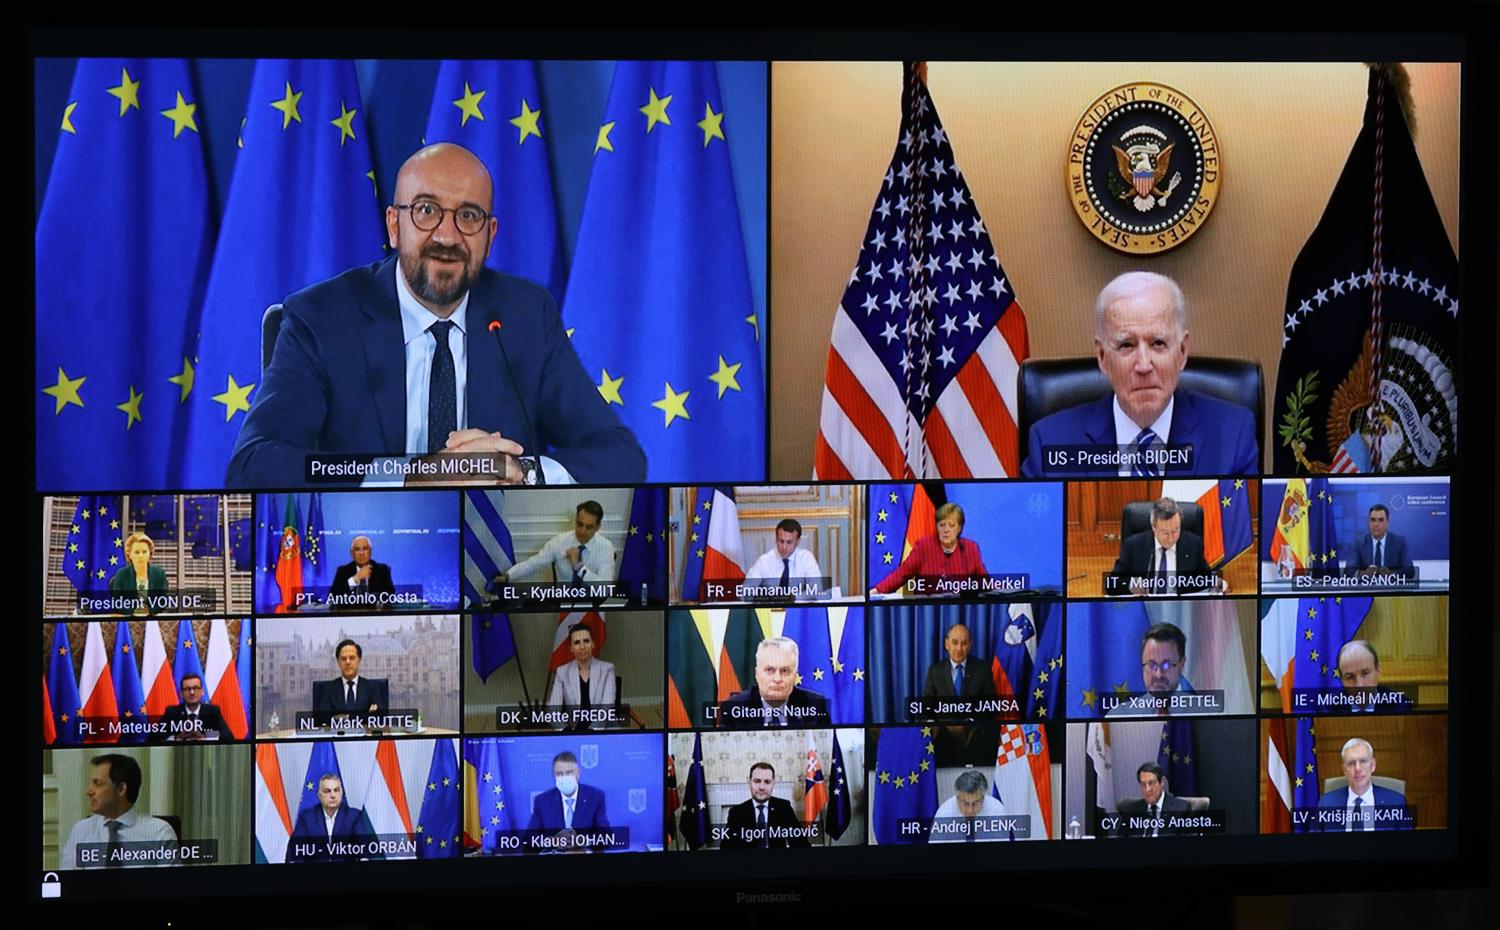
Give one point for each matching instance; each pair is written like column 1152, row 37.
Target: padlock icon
column 51, row 885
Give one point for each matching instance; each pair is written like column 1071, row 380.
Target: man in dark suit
column 775, row 700
column 1141, row 341
column 209, row 721
column 569, row 804
column 351, row 692
column 1380, row 551
column 751, row 822
column 358, row 584
column 405, row 356
column 962, row 675
column 1166, row 560
column 331, row 821
column 1155, row 802
column 1362, row 805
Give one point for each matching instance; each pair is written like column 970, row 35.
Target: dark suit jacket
column 799, row 698
column 380, row 581
column 213, row 720
column 329, row 695
column 1397, row 559
column 1222, row 436
column 350, row 823
column 588, row 813
column 1385, row 799
column 1170, row 804
column 336, row 382
column 977, row 679
column 1137, row 552
column 1385, row 692
column 779, row 813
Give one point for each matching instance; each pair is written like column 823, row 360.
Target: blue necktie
column 442, row 390
column 786, row 572
column 1143, row 441
column 958, row 680
column 1359, row 819
column 1380, row 553
column 578, row 569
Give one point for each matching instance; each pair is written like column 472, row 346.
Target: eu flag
column 1234, row 518
column 1367, row 380
column 96, row 543
column 847, row 699
column 890, row 507
column 1322, row 528
column 904, row 792
column 323, row 761
column 1306, row 786
column 494, row 109
column 62, row 690
column 643, row 565
column 302, row 207
column 492, row 643
column 1104, row 653
column 438, row 828
column 187, row 660
column 122, row 251
column 156, row 515
column 694, row 820
column 1043, row 700
column 1176, row 757
column 836, row 818
column 125, row 671
column 1324, row 625
column 808, row 628
column 659, row 295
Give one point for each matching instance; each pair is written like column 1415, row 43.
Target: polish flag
column 222, row 680
column 97, row 687
column 156, row 673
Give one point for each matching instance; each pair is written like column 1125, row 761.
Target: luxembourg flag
column 1023, row 776
column 385, row 796
column 156, row 673
column 273, row 821
column 814, row 788
column 714, row 551
column 562, row 651
column 222, row 679
column 1226, row 514
column 97, row 687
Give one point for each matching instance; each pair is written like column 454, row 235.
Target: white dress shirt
column 804, row 565
column 1366, row 809
column 596, row 564
column 1127, row 429
column 134, row 828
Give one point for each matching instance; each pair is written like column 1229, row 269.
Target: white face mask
column 567, row 784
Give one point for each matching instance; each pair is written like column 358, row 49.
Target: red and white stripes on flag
column 562, row 650
column 1276, row 815
column 385, row 801
column 96, row 688
column 1023, row 775
column 724, row 560
column 222, row 680
column 928, row 338
column 156, row 673
column 273, row 818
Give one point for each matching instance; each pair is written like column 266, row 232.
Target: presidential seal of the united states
column 1143, row 168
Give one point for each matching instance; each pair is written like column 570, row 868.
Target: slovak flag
column 814, row 788
column 712, row 534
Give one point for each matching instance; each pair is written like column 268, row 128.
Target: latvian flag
column 928, row 338
column 712, row 536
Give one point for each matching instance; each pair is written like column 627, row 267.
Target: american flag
column 928, row 338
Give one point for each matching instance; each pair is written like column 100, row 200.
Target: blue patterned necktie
column 1143, row 442
column 442, row 390
column 1359, row 818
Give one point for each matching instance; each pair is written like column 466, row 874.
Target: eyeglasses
column 427, row 216
column 1166, row 666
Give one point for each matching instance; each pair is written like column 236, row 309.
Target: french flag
column 222, row 680
column 97, row 687
column 714, row 552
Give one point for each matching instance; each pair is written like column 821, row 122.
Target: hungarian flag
column 385, row 795
column 273, row 819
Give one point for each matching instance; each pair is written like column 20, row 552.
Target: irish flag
column 1226, row 514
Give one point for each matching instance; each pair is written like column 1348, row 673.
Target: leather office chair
column 1048, row 385
column 1397, row 785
